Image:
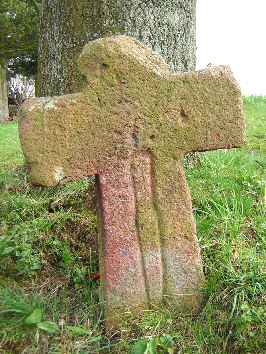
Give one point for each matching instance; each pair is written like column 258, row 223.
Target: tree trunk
column 3, row 95
column 167, row 26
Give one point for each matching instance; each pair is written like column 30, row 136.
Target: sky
column 233, row 32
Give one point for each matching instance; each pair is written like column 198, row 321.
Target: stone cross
column 131, row 127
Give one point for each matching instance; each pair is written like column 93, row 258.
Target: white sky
column 233, row 32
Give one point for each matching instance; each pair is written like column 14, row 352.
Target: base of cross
column 131, row 127
column 120, row 317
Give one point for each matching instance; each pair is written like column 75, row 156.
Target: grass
column 49, row 303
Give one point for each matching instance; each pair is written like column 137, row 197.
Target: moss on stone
column 135, row 114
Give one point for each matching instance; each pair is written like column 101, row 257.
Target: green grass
column 48, row 249
column 255, row 112
column 10, row 150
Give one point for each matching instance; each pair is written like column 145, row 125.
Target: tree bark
column 3, row 95
column 167, row 26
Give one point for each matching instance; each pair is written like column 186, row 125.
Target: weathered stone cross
column 131, row 127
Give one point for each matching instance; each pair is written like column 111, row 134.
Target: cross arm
column 210, row 110
column 61, row 138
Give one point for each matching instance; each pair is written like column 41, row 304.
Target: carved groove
column 133, row 177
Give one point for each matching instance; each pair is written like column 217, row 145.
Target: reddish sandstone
column 131, row 127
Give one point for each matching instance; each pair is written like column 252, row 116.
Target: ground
column 49, row 302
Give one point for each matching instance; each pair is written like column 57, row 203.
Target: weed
column 48, row 249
